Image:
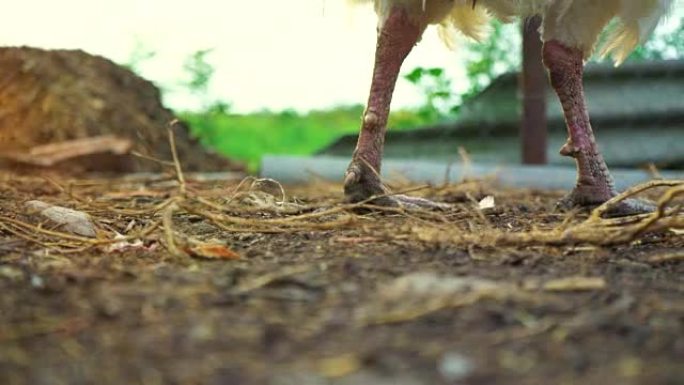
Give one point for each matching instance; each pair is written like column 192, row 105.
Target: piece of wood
column 51, row 154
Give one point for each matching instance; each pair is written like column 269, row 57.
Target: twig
column 21, row 235
column 599, row 211
column 64, row 190
column 266, row 225
column 174, row 153
column 152, row 159
column 266, row 279
column 594, row 230
column 71, row 237
column 167, row 221
column 660, row 211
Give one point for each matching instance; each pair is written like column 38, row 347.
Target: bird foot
column 416, row 203
column 361, row 183
column 583, row 199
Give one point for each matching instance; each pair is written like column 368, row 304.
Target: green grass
column 249, row 137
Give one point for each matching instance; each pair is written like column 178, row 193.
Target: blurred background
column 291, row 77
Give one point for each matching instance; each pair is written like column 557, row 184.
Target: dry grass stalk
column 462, row 225
column 594, row 231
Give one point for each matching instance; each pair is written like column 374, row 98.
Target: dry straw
column 246, row 208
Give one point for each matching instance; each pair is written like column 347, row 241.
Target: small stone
column 37, row 282
column 487, row 203
column 72, row 221
column 454, row 366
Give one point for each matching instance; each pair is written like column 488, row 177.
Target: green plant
column 486, row 60
column 199, row 74
column 435, row 87
column 248, row 137
column 199, row 70
column 140, row 54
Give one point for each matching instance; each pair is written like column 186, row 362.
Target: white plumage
column 576, row 23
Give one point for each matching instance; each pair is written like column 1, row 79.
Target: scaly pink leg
column 362, row 179
column 594, row 182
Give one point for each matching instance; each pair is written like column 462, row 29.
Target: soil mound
column 52, row 97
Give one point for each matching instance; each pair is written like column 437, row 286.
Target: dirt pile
column 55, row 96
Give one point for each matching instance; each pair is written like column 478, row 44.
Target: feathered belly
column 576, row 23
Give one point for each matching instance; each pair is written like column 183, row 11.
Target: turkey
column 570, row 30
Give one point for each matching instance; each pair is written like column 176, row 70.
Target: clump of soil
column 51, row 96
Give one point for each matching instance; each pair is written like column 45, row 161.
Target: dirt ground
column 208, row 282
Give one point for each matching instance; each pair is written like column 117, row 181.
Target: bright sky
column 271, row 54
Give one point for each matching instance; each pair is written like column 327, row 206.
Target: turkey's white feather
column 576, row 23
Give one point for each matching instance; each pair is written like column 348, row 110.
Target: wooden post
column 533, row 127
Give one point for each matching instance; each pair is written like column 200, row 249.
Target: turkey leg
column 594, row 182
column 362, row 180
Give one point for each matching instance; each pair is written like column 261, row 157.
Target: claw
column 361, row 182
column 352, row 177
column 621, row 209
column 631, row 207
column 417, row 203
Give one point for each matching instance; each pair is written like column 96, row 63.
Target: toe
column 352, row 176
column 620, row 209
column 631, row 207
column 361, row 183
column 417, row 203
